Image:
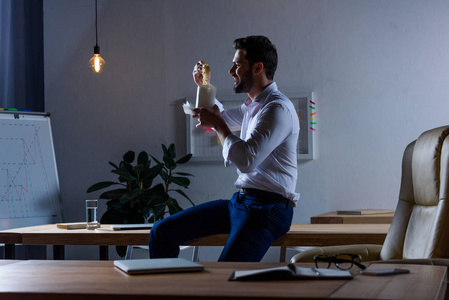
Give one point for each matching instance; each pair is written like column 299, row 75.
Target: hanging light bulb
column 96, row 63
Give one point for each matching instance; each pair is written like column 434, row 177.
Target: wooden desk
column 299, row 235
column 54, row 280
column 334, row 218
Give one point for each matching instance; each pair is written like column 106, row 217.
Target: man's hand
column 211, row 118
column 198, row 72
column 208, row 117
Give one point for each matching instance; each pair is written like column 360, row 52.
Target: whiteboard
column 29, row 185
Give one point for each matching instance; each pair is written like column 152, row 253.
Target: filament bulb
column 96, row 63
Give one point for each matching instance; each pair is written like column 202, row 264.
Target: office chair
column 419, row 232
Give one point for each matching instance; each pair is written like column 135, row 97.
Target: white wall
column 379, row 71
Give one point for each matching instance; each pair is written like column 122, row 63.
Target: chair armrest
column 368, row 252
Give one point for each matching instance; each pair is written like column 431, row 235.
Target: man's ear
column 258, row 68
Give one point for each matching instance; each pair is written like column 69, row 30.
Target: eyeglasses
column 342, row 261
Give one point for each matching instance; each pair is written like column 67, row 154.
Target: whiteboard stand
column 29, row 184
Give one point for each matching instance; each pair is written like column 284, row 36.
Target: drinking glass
column 91, row 214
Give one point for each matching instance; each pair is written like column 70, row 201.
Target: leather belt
column 261, row 194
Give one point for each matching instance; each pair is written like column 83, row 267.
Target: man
column 261, row 210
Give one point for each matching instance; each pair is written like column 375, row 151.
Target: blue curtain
column 22, row 54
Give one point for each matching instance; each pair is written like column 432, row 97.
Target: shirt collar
column 262, row 97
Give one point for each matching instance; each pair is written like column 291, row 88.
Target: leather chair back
column 420, row 227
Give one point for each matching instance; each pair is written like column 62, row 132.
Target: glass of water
column 91, row 214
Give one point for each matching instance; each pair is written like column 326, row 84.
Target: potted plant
column 137, row 200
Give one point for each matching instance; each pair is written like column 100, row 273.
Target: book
column 364, row 212
column 290, row 272
column 77, row 225
column 157, row 265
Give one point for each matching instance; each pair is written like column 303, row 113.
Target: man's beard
column 245, row 84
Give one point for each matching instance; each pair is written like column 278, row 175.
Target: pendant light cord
column 96, row 29
column 96, row 63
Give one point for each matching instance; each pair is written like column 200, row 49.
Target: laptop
column 131, row 226
column 157, row 265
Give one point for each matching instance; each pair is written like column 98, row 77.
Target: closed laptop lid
column 157, row 265
column 132, row 226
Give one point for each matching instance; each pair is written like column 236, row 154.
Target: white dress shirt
column 265, row 153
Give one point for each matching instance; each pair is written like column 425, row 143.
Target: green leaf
column 138, row 169
column 100, row 185
column 113, row 194
column 128, row 167
column 182, row 174
column 115, row 204
column 181, row 181
column 157, row 189
column 152, row 173
column 173, row 206
column 165, row 150
column 147, row 182
column 155, row 195
column 124, row 175
column 114, row 165
column 164, row 175
column 159, row 211
column 126, row 207
column 169, row 162
column 184, row 195
column 124, row 172
column 172, row 151
column 129, row 156
column 184, row 159
column 155, row 159
column 143, row 159
column 131, row 195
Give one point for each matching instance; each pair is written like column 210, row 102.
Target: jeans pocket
column 279, row 219
column 263, row 215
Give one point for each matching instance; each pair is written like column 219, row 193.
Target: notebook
column 364, row 212
column 290, row 272
column 78, row 225
column 132, row 226
column 157, row 265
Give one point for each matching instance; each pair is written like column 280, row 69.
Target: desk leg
column 104, row 253
column 10, row 251
column 58, row 252
column 283, row 253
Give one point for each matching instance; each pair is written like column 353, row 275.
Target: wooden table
column 334, row 218
column 55, row 280
column 299, row 235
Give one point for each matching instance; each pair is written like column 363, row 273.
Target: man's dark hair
column 258, row 48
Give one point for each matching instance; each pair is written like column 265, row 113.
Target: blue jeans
column 252, row 223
